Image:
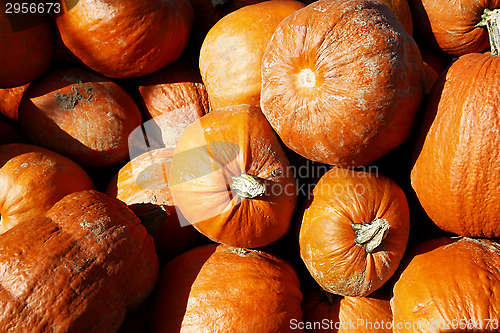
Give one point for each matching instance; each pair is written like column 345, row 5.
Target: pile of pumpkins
column 250, row 166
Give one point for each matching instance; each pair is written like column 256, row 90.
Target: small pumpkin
column 218, row 288
column 455, row 175
column 342, row 82
column 231, row 179
column 449, row 284
column 327, row 313
column 142, row 184
column 129, row 38
column 27, row 45
column 354, row 231
column 79, row 268
column 32, row 180
column 231, row 54
column 10, row 99
column 81, row 115
column 172, row 98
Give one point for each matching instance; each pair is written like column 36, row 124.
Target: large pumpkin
column 32, row 180
column 125, row 38
column 79, row 268
column 142, row 184
column 218, row 288
column 455, row 175
column 27, row 44
column 326, row 313
column 231, row 53
column 231, row 179
column 354, row 231
column 342, row 81
column 449, row 285
column 81, row 115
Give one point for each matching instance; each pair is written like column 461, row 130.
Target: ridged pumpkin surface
column 455, row 175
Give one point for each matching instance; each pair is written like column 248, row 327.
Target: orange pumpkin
column 449, row 285
column 327, row 313
column 231, row 54
column 455, row 175
column 231, row 179
column 342, row 81
column 125, row 38
column 218, row 288
column 354, row 231
column 27, row 45
column 142, row 184
column 32, row 180
column 79, row 268
column 10, row 99
column 81, row 115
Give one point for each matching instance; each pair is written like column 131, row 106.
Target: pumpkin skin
column 142, row 184
column 402, row 10
column 455, row 175
column 450, row 26
column 81, row 115
column 231, row 54
column 10, row 99
column 173, row 98
column 27, row 47
column 346, row 92
column 218, row 288
column 449, row 283
column 78, row 269
column 217, row 159
column 341, row 258
column 140, row 37
column 349, row 314
column 32, row 180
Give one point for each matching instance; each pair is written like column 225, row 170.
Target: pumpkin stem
column 371, row 234
column 152, row 216
column 247, row 186
column 491, row 20
column 221, row 3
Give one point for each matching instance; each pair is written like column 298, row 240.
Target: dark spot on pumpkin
column 69, row 101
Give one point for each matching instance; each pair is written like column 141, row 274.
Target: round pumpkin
column 81, row 115
column 231, row 179
column 455, row 175
column 456, row 28
column 172, row 98
column 354, row 231
column 218, row 288
column 10, row 99
column 128, row 38
column 27, row 45
column 342, row 81
column 326, row 313
column 32, row 180
column 142, row 184
column 231, row 54
column 449, row 285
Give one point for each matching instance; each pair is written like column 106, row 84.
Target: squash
column 449, row 285
column 354, row 231
column 172, row 98
column 456, row 28
column 27, row 45
column 342, row 82
column 10, row 99
column 218, row 288
column 231, row 53
column 81, row 115
column 327, row 313
column 129, row 38
column 231, row 179
column 455, row 175
column 79, row 268
column 142, row 184
column 32, row 180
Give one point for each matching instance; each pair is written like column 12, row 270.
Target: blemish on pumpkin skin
column 69, row 101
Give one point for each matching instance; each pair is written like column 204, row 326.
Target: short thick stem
column 491, row 20
column 371, row 234
column 221, row 3
column 247, row 186
column 152, row 216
